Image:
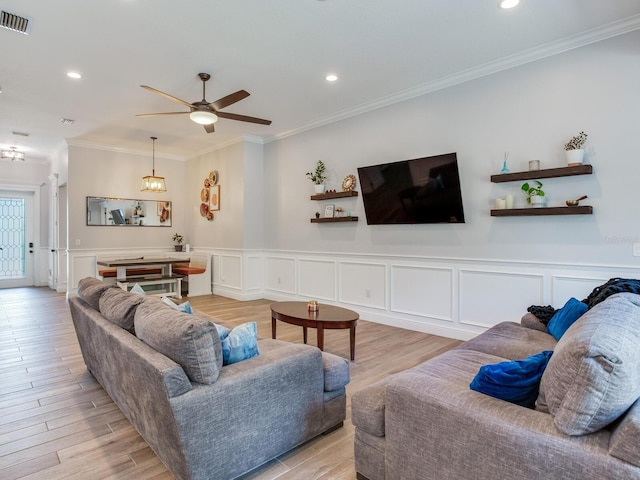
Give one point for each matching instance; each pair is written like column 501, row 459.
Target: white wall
column 94, row 172
column 530, row 111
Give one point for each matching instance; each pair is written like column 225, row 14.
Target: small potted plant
column 318, row 176
column 178, row 239
column 533, row 193
column 574, row 151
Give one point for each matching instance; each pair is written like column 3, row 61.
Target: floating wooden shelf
column 528, row 212
column 334, row 219
column 330, row 195
column 545, row 173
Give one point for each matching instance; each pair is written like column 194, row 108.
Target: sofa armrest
column 529, row 320
column 444, row 428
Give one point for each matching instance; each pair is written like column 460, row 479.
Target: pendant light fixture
column 12, row 153
column 151, row 183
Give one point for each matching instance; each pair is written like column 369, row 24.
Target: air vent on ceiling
column 66, row 121
column 15, row 22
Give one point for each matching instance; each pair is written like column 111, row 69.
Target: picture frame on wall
column 328, row 210
column 214, row 198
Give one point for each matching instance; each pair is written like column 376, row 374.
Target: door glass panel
column 12, row 238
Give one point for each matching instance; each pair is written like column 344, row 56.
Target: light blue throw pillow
column 565, row 317
column 138, row 290
column 516, row 381
column 183, row 307
column 240, row 343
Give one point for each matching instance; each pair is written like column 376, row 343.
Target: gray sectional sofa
column 426, row 423
column 202, row 419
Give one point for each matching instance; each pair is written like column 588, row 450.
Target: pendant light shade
column 151, row 183
column 12, row 153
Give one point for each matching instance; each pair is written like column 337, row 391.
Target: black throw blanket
column 599, row 294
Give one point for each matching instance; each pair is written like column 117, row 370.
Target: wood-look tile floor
column 56, row 421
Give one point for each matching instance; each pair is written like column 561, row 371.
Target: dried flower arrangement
column 576, row 142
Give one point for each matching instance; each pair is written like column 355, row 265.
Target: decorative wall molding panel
column 451, row 297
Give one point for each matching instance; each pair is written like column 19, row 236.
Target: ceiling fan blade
column 162, row 113
column 166, row 95
column 210, row 128
column 243, row 118
column 229, row 99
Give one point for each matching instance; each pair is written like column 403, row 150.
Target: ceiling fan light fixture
column 203, row 117
column 506, row 4
column 151, row 183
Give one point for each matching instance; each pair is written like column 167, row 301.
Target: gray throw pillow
column 119, row 307
column 593, row 376
column 90, row 290
column 188, row 340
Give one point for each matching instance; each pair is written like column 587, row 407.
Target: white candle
column 509, row 201
column 500, row 203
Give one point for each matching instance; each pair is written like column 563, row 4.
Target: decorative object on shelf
column 151, row 183
column 533, row 193
column 328, row 210
column 313, row 306
column 214, row 177
column 505, row 169
column 339, row 211
column 214, row 198
column 178, row 239
column 574, row 151
column 349, row 183
column 508, row 200
column 534, row 165
column 500, row 204
column 576, row 202
column 318, row 176
column 317, row 214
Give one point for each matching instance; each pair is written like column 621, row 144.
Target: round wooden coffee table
column 327, row 317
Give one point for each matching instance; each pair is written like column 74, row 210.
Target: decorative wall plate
column 204, row 209
column 204, row 195
column 213, row 177
column 349, row 183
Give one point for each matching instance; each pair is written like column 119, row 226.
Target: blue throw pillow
column 182, row 307
column 240, row 343
column 565, row 317
column 517, row 381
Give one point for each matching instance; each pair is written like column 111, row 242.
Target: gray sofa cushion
column 624, row 439
column 593, row 376
column 336, row 372
column 90, row 289
column 188, row 340
column 119, row 307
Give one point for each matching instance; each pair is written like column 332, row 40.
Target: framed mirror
column 119, row 212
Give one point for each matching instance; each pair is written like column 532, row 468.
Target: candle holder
column 312, row 306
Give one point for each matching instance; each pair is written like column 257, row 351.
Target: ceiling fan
column 206, row 113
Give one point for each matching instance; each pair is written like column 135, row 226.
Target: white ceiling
column 278, row 50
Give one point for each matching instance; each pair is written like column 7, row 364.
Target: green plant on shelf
column 532, row 190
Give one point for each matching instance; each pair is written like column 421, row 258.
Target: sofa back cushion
column 188, row 340
column 119, row 307
column 90, row 290
column 593, row 376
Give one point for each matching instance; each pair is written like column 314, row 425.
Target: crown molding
column 595, row 35
column 130, row 151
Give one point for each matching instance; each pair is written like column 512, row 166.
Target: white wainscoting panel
column 565, row 287
column 280, row 275
column 491, row 297
column 254, row 272
column 317, row 279
column 363, row 284
column 82, row 265
column 422, row 291
column 231, row 271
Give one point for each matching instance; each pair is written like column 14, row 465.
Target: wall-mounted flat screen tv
column 422, row 190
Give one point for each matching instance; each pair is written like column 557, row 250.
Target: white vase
column 574, row 157
column 319, row 188
column 537, row 201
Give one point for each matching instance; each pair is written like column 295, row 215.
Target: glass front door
column 16, row 249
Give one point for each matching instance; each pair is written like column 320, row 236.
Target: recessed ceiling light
column 508, row 3
column 75, row 75
column 331, row 77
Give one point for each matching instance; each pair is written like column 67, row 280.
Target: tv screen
column 422, row 190
column 118, row 216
